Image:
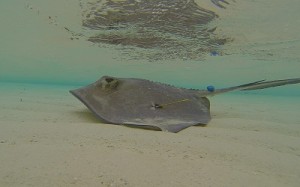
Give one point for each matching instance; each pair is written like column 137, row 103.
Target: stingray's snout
column 75, row 92
column 82, row 92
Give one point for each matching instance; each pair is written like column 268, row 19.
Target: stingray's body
column 145, row 104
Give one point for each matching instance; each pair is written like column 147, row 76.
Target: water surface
column 50, row 43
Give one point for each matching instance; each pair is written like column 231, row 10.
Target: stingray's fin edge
column 148, row 127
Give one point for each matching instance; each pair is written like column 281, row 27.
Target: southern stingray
column 146, row 104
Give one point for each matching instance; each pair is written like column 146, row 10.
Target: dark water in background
column 67, row 44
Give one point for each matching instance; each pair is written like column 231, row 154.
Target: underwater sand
column 48, row 138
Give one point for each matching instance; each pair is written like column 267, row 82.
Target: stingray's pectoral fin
column 148, row 127
column 163, row 127
column 253, row 86
column 177, row 127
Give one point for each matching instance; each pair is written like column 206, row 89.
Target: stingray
column 157, row 106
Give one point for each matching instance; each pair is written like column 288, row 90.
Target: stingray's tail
column 251, row 86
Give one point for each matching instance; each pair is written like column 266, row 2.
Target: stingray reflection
column 162, row 28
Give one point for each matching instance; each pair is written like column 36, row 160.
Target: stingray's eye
column 109, row 79
column 108, row 83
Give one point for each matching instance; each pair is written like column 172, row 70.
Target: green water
column 49, row 138
column 36, row 49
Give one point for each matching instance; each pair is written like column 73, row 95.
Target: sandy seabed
column 48, row 138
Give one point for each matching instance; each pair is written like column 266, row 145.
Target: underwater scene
column 49, row 138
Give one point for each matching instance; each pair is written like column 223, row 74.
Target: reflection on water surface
column 156, row 29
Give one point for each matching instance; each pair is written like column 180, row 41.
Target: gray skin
column 145, row 104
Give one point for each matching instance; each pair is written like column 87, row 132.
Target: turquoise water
column 49, row 138
column 35, row 48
